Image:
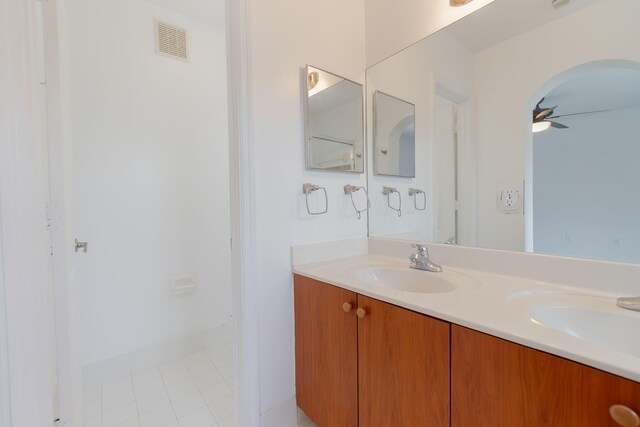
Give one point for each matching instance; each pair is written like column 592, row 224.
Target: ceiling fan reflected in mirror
column 542, row 117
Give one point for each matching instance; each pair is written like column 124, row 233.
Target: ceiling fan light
column 540, row 126
column 456, row 3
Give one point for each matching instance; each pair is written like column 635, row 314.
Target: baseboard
column 284, row 414
column 146, row 357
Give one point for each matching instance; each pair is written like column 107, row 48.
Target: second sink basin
column 609, row 329
column 417, row 281
column 590, row 318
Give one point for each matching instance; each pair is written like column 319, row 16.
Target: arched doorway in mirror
column 582, row 163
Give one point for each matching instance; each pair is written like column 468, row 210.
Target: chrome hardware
column 361, row 312
column 349, row 190
column 422, row 249
column 81, row 245
column 310, row 188
column 422, row 261
column 414, row 192
column 624, row 416
column 451, row 241
column 630, row 303
column 347, row 307
column 388, row 191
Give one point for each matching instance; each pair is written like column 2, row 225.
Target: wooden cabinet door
column 499, row 383
column 326, row 353
column 403, row 364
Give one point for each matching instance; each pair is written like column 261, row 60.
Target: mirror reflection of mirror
column 394, row 136
column 532, row 125
column 334, row 123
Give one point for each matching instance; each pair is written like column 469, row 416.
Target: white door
column 28, row 373
column 446, row 141
column 43, row 130
column 66, row 374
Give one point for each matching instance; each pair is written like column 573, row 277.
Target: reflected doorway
column 446, row 211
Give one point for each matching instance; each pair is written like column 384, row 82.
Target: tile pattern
column 193, row 391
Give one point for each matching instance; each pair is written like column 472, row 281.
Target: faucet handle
column 420, row 247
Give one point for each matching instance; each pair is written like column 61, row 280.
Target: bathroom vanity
column 507, row 135
column 380, row 344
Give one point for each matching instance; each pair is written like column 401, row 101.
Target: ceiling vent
column 172, row 41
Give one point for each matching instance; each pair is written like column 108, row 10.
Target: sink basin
column 591, row 318
column 411, row 280
column 405, row 280
column 616, row 331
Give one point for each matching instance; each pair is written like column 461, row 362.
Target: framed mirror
column 394, row 136
column 334, row 136
column 526, row 130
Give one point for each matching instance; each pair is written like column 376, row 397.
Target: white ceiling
column 611, row 89
column 504, row 19
column 210, row 12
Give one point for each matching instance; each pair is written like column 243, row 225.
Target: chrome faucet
column 630, row 303
column 421, row 260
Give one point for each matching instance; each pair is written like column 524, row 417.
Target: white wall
column 586, row 200
column 415, row 75
column 512, row 74
column 26, row 302
column 287, row 34
column 393, row 25
column 151, row 174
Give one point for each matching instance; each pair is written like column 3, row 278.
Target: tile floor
column 303, row 420
column 194, row 391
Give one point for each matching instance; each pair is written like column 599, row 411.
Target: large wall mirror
column 527, row 130
column 334, row 122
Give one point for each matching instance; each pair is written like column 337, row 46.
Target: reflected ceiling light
column 456, row 3
column 313, row 78
column 541, row 126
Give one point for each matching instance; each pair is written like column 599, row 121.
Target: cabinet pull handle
column 346, row 307
column 624, row 416
column 361, row 312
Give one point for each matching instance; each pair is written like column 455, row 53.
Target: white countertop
column 498, row 305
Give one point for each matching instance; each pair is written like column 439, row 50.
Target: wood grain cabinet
column 499, row 383
column 363, row 362
column 326, row 332
column 403, row 367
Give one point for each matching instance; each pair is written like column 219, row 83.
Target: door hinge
column 48, row 212
column 52, row 215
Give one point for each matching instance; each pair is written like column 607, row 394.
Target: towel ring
column 414, row 192
column 349, row 190
column 388, row 191
column 310, row 188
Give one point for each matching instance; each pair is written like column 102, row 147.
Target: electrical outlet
column 509, row 200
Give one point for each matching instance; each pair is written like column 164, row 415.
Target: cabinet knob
column 624, row 416
column 346, row 307
column 361, row 312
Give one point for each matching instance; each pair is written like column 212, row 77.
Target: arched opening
column 581, row 170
